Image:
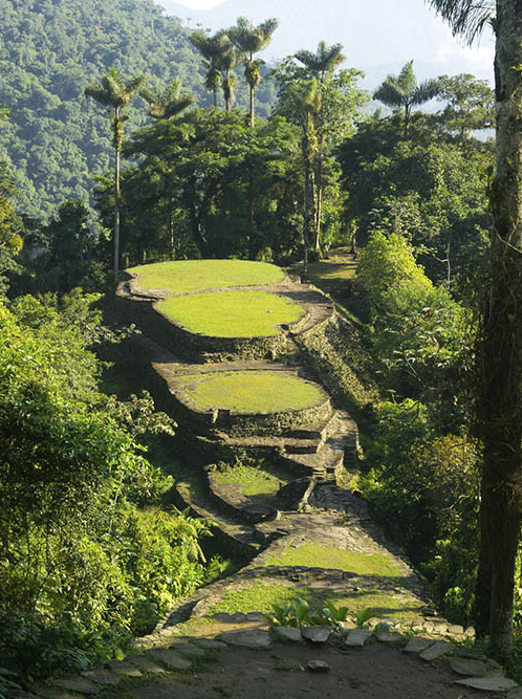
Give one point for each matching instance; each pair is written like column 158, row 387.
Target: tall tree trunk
column 319, row 202
column 500, row 391
column 171, row 233
column 406, row 119
column 117, row 194
column 306, row 215
column 252, row 106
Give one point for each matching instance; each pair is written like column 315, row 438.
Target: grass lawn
column 231, row 313
column 252, row 480
column 196, row 275
column 250, row 391
column 315, row 556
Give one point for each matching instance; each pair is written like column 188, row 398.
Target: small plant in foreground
column 364, row 616
column 297, row 614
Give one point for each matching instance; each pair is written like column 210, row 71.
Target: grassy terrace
column 314, row 555
column 185, row 276
column 263, row 483
column 250, row 392
column 231, row 313
column 262, row 596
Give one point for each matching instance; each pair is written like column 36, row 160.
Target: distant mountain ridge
column 378, row 36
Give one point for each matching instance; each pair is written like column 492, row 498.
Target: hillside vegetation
column 58, row 140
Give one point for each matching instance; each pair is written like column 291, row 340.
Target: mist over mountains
column 378, row 36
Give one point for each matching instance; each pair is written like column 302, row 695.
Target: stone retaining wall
column 194, row 347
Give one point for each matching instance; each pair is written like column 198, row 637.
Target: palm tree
column 220, row 56
column 226, row 62
column 210, row 47
column 499, row 404
column 402, row 91
column 322, row 63
column 164, row 105
column 169, row 103
column 116, row 92
column 320, row 66
column 250, row 40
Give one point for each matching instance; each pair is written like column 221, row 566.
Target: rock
column 389, row 637
column 145, row 664
column 471, row 654
column 122, row 667
column 357, row 638
column 515, row 693
column 437, row 650
column 255, row 616
column 418, row 644
column 103, row 677
column 316, row 634
column 488, row 684
column 296, row 493
column 54, row 692
column 468, row 667
column 259, row 512
column 188, row 650
column 318, row 666
column 209, row 643
column 257, row 640
column 287, row 634
column 169, row 658
column 77, row 684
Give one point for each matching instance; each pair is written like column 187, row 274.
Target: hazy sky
column 378, row 36
column 200, row 4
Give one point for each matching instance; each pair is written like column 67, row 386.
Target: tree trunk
column 117, row 194
column 319, row 203
column 171, row 233
column 500, row 388
column 305, row 216
column 252, row 106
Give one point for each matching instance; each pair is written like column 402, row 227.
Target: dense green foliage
column 50, row 50
column 208, row 185
column 431, row 189
column 87, row 553
column 421, row 473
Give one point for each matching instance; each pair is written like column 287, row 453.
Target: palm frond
column 466, row 17
column 390, row 93
column 426, row 91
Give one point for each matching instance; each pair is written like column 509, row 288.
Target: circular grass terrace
column 231, row 313
column 188, row 276
column 249, row 392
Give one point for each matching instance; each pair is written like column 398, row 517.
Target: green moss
column 231, row 313
column 196, row 275
column 250, row 391
column 315, row 556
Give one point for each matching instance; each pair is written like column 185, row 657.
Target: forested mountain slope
column 56, row 138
